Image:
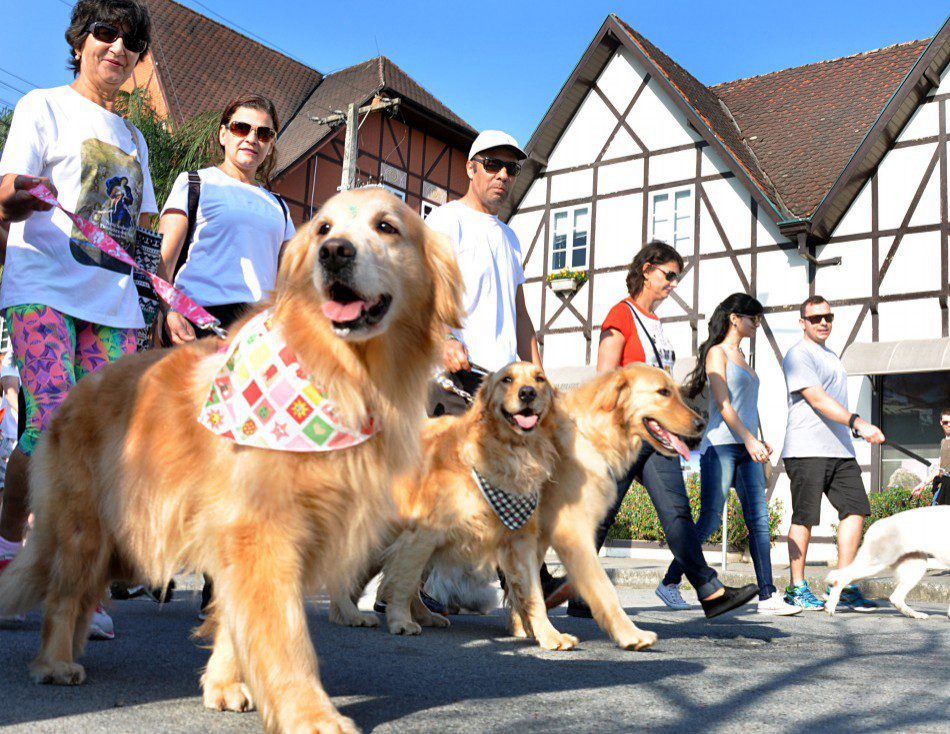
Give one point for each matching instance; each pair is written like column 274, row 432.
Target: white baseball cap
column 495, row 139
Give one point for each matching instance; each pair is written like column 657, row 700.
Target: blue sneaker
column 852, row 598
column 800, row 595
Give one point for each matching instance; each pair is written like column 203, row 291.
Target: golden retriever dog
column 504, row 448
column 126, row 484
column 612, row 415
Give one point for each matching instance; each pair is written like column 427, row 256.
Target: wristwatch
column 854, row 417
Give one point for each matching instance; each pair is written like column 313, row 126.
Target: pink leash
column 168, row 293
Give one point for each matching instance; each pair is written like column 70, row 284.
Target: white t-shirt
column 99, row 165
column 808, row 433
column 489, row 256
column 239, row 229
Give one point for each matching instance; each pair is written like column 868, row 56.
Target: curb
column 926, row 591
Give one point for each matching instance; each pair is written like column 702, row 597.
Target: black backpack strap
column 283, row 206
column 194, row 193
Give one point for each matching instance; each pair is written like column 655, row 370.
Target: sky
column 500, row 64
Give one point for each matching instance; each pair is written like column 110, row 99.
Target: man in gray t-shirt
column 818, row 453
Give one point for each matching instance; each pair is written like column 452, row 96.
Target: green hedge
column 889, row 502
column 637, row 519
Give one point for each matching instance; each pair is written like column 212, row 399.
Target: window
column 427, row 208
column 569, row 243
column 396, row 192
column 910, row 416
column 672, row 214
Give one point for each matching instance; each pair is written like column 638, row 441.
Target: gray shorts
column 839, row 479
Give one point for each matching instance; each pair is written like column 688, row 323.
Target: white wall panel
column 658, row 122
column 712, row 163
column 917, row 319
column 782, row 278
column 617, row 232
column 916, row 265
column 566, row 319
column 852, row 278
column 924, row 123
column 535, row 195
column 532, row 300
column 730, row 201
column 767, row 232
column 898, row 178
column 609, row 289
column 620, row 177
column 717, row 279
column 671, row 167
column 564, row 350
column 928, row 208
column 944, row 87
column 857, row 220
column 585, row 135
column 567, row 186
column 525, row 227
column 709, row 239
column 620, row 79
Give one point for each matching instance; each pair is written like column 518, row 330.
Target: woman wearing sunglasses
column 731, row 452
column 70, row 308
column 225, row 257
column 632, row 333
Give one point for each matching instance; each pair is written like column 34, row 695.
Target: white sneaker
column 670, row 595
column 101, row 627
column 776, row 606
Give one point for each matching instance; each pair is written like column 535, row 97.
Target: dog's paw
column 58, row 673
column 232, row 696
column 328, row 723
column 558, row 641
column 397, row 627
column 830, row 608
column 637, row 640
column 435, row 620
column 914, row 614
column 362, row 619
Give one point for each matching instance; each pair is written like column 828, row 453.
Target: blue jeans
column 663, row 479
column 722, row 467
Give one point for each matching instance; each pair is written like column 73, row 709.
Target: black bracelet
column 852, row 419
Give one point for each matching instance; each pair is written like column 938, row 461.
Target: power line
column 17, row 76
column 15, row 89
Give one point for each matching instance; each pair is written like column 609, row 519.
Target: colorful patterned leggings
column 53, row 351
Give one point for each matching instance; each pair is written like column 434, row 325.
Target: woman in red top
column 632, row 333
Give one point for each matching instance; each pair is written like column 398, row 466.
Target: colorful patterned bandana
column 263, row 398
column 514, row 510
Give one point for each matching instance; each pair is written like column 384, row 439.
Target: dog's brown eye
column 324, row 228
column 665, row 392
column 386, row 227
column 540, row 378
column 507, row 379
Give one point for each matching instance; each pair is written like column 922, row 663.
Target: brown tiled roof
column 356, row 84
column 202, row 64
column 804, row 124
column 709, row 108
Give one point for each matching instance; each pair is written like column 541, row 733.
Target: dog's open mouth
column 525, row 419
column 349, row 310
column 666, row 439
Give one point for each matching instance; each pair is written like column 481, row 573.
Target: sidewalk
column 647, row 574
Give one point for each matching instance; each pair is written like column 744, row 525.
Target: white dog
column 899, row 544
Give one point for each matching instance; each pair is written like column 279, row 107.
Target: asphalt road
column 855, row 673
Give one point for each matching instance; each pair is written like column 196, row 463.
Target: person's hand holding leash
column 16, row 203
column 454, row 355
column 758, row 450
column 868, row 431
column 179, row 329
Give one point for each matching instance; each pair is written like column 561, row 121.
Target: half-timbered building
column 830, row 178
column 417, row 149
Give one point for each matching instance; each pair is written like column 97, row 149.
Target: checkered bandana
column 514, row 510
column 262, row 397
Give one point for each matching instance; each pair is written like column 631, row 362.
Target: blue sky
column 500, row 64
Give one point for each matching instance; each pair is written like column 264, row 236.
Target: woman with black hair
column 632, row 333
column 731, row 452
column 70, row 308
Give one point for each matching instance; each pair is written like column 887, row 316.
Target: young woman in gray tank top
column 731, row 453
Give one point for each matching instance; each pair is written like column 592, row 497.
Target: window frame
column 673, row 237
column 570, row 246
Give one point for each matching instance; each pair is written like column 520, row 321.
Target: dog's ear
column 610, row 393
column 480, row 399
column 446, row 278
column 293, row 255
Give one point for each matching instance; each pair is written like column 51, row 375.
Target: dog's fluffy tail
column 23, row 582
column 464, row 587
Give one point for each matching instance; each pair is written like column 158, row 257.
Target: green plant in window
column 578, row 276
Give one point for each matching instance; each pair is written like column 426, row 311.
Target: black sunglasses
column 755, row 319
column 819, row 317
column 494, row 165
column 670, row 275
column 105, row 33
column 243, row 129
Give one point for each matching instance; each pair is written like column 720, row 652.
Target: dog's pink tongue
column 526, row 422
column 678, row 444
column 342, row 312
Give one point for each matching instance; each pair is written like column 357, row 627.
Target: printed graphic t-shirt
column 489, row 256
column 808, row 433
column 637, row 333
column 239, row 229
column 99, row 165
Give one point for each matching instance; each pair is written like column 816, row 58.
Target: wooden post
column 351, row 148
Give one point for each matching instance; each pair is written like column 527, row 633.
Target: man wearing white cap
column 497, row 328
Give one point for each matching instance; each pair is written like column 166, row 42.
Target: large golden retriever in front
column 613, row 415
column 127, row 484
column 474, row 500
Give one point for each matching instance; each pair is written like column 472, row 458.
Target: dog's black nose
column 527, row 394
column 335, row 254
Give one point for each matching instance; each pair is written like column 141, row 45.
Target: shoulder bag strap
column 656, row 352
column 283, row 206
column 194, row 193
